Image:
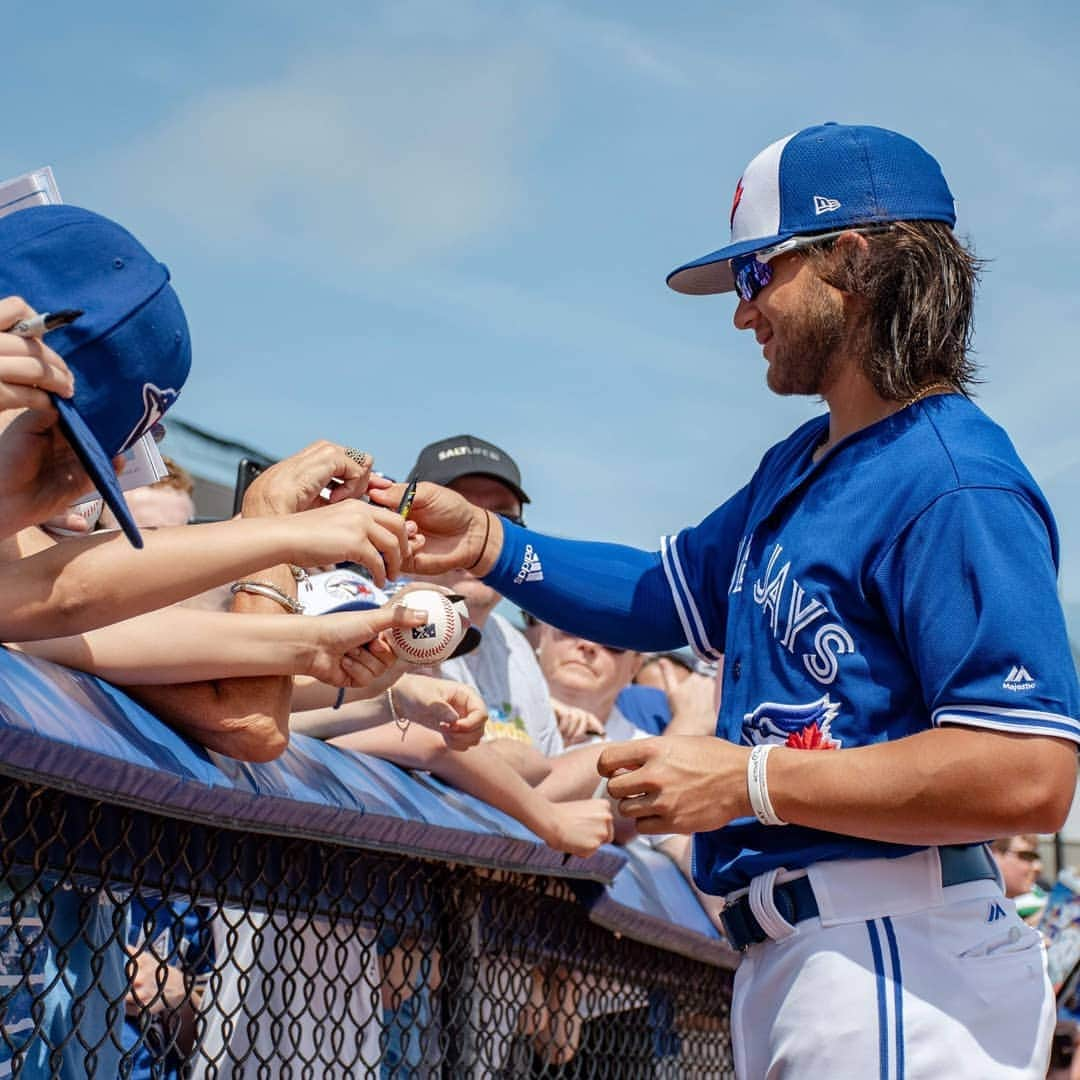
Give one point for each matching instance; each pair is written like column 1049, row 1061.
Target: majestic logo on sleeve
column 156, row 403
column 805, row 727
column 793, row 618
column 1018, row 679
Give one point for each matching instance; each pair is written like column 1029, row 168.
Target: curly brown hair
column 918, row 280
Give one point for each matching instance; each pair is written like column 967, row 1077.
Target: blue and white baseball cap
column 130, row 351
column 823, row 178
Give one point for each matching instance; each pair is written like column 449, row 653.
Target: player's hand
column 295, row 483
column 29, row 369
column 575, row 725
column 456, row 712
column 454, row 530
column 677, row 783
column 353, row 531
column 579, row 827
column 350, row 650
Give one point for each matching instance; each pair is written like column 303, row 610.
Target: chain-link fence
column 133, row 944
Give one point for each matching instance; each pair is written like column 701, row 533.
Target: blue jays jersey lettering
column 854, row 606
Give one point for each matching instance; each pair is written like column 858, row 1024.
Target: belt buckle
column 741, row 925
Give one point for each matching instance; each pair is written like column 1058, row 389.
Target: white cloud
column 570, row 29
column 380, row 158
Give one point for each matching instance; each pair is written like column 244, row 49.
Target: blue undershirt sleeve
column 608, row 593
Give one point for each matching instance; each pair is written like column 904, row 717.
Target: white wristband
column 757, row 786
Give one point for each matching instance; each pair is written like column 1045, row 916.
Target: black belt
column 795, row 900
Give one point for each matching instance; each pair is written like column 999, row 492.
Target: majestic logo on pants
column 805, row 727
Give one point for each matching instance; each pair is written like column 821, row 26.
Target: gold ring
column 361, row 457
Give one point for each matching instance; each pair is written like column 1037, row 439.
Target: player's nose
column 745, row 314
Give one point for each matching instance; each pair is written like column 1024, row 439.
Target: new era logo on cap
column 855, row 175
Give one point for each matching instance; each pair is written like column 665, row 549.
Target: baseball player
column 898, row 683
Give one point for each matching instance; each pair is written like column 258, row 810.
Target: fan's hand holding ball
column 438, row 638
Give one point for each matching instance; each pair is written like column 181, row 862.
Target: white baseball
column 435, row 640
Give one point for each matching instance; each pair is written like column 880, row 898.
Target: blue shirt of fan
column 179, row 936
column 906, row 580
column 646, row 707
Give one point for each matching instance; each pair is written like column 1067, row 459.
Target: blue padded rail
column 68, row 730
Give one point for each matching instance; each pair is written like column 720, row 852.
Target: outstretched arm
column 88, row 582
column 578, row 827
column 605, row 592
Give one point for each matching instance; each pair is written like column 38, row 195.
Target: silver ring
column 361, row 457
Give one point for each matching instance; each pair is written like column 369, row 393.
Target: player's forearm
column 947, row 785
column 184, row 645
column 74, row 587
column 604, row 592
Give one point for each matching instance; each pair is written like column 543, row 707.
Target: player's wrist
column 488, row 527
column 757, row 785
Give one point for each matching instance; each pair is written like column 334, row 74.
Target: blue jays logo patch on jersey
column 156, row 403
column 805, row 727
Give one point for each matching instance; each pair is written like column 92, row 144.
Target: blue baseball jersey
column 905, row 581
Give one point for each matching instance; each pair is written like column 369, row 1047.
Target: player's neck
column 853, row 405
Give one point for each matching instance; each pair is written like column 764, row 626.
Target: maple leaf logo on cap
column 735, row 202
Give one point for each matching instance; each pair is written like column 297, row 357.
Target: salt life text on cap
column 823, row 178
column 465, row 455
column 130, row 351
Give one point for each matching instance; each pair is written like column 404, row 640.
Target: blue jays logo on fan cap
column 805, row 726
column 156, row 403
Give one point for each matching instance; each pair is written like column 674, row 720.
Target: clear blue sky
column 391, row 222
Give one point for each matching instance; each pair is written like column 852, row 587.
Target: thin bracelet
column 270, row 592
column 401, row 723
column 757, row 785
column 483, row 547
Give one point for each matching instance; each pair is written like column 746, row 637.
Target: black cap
column 450, row 459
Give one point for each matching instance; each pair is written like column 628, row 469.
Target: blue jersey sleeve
column 702, row 566
column 971, row 588
column 604, row 592
column 649, row 601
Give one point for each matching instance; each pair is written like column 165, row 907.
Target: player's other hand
column 456, row 712
column 575, row 725
column 350, row 650
column 295, row 483
column 677, row 783
column 453, row 529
